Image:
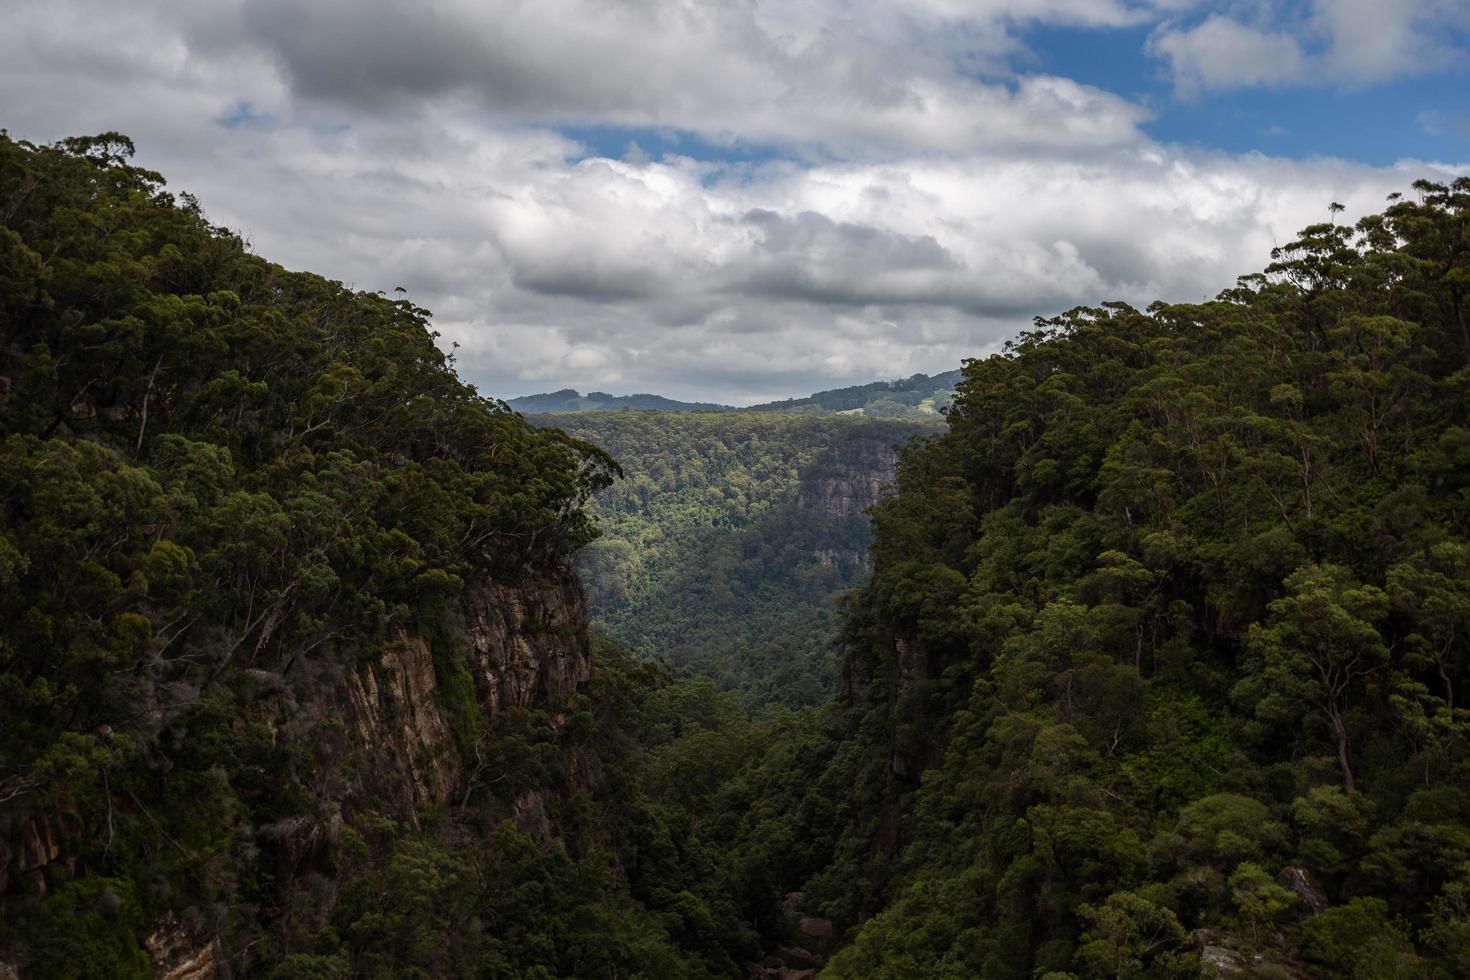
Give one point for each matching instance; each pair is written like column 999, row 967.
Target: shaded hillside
column 725, row 546
column 1162, row 665
column 919, row 397
column 567, row 400
column 296, row 679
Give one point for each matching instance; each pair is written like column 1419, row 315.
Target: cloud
column 849, row 78
column 919, row 210
column 1341, row 42
column 1222, row 53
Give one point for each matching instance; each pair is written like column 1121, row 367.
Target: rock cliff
column 839, row 486
column 521, row 646
column 850, row 477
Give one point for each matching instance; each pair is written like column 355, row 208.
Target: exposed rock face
column 840, row 487
column 850, row 478
column 1311, row 899
column 815, row 934
column 36, row 840
column 177, row 953
column 383, row 736
column 392, row 721
column 526, row 645
column 1218, row 961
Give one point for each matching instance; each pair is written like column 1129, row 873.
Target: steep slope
column 1161, row 667
column 732, row 535
column 295, row 675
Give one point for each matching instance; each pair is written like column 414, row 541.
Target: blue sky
column 1426, row 116
column 740, row 200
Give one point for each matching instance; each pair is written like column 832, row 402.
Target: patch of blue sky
column 243, row 113
column 1424, row 117
column 617, row 142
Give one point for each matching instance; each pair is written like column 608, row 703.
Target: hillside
column 296, row 678
column 1158, row 672
column 1161, row 667
column 568, row 400
column 728, row 541
column 919, row 397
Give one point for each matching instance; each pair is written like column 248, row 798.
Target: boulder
column 1218, row 961
column 815, row 934
column 1311, row 900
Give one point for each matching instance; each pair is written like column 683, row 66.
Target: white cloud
column 418, row 152
column 1222, row 53
column 1339, row 42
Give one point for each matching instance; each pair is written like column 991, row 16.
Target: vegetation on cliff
column 1171, row 631
column 246, row 516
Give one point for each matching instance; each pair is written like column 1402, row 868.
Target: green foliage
column 727, row 545
column 89, row 928
column 225, row 488
column 1175, row 604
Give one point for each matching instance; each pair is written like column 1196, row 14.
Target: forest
column 1159, row 670
column 731, row 538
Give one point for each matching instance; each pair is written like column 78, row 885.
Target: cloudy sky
column 742, row 199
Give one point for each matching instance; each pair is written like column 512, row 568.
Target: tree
column 1320, row 646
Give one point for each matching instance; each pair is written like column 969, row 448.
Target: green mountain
column 296, row 679
column 921, row 397
column 1161, row 669
column 568, row 400
column 917, row 397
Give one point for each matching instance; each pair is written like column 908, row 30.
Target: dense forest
column 1162, row 666
column 1160, row 670
column 728, row 542
column 295, row 678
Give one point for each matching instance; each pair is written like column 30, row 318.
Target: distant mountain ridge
column 569, row 400
column 917, row 396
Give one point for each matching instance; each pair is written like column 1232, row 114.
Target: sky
column 738, row 200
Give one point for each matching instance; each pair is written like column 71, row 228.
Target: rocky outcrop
column 839, row 487
column 392, row 721
column 850, row 477
column 36, row 842
column 803, row 959
column 1311, row 899
column 1223, row 956
column 528, row 645
column 394, row 727
column 385, row 733
column 178, row 953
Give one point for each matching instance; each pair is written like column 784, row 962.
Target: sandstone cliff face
column 523, row 646
column 849, row 478
column 839, row 488
column 382, row 737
